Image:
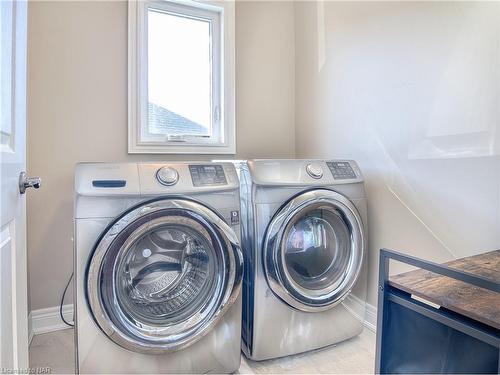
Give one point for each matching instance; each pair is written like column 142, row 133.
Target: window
column 181, row 77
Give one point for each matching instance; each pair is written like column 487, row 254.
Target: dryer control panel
column 341, row 170
column 303, row 172
column 207, row 175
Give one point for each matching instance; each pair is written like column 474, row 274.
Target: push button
column 235, row 217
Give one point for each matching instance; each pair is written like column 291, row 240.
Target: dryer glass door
column 163, row 274
column 314, row 249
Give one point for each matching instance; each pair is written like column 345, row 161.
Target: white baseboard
column 30, row 329
column 48, row 320
column 362, row 310
column 371, row 317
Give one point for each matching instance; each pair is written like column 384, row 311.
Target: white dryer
column 158, row 268
column 304, row 241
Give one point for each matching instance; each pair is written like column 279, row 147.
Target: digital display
column 207, row 175
column 341, row 170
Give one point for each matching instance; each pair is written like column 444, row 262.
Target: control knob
column 167, row 176
column 314, row 170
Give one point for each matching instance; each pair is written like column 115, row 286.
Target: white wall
column 412, row 91
column 265, row 78
column 77, row 110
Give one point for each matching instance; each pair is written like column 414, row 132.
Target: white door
column 13, row 274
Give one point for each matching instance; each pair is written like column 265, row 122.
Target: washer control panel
column 314, row 170
column 207, row 175
column 167, row 176
column 341, row 170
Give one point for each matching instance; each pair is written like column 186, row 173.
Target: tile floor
column 355, row 356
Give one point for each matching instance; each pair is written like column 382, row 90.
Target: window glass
column 179, row 75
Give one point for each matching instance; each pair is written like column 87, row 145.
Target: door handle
column 28, row 182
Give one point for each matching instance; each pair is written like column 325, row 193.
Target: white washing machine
column 304, row 241
column 158, row 268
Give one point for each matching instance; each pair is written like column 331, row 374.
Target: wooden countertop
column 476, row 303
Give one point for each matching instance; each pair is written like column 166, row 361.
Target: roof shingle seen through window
column 164, row 121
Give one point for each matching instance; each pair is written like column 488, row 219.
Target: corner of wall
column 295, row 101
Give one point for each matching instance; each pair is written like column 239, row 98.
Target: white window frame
column 223, row 139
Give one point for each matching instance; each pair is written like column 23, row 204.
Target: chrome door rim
column 278, row 277
column 165, row 339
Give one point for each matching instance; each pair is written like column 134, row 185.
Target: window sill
column 181, row 149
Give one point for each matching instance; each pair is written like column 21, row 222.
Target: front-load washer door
column 313, row 250
column 163, row 274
